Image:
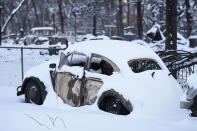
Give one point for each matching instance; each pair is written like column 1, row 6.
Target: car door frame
column 72, row 86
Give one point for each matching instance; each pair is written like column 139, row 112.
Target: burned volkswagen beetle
column 113, row 76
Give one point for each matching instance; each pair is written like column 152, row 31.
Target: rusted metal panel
column 77, row 92
column 63, row 87
column 92, row 87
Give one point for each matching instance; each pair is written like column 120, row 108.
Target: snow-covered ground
column 18, row 115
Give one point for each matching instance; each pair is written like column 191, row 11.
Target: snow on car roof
column 115, row 50
column 41, row 28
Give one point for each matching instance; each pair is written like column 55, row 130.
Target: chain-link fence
column 15, row 61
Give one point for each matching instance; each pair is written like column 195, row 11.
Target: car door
column 99, row 67
column 68, row 79
column 79, row 79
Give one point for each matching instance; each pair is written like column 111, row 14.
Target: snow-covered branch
column 11, row 15
column 179, row 59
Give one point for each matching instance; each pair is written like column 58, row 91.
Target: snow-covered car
column 114, row 76
column 40, row 35
column 189, row 97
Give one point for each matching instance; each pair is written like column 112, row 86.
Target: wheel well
column 110, row 94
column 37, row 81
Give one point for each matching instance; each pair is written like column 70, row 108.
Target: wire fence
column 15, row 61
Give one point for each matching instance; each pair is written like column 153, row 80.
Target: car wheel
column 33, row 93
column 193, row 107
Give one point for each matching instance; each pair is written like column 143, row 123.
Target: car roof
column 115, row 50
column 42, row 29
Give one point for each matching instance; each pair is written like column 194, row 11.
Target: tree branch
column 12, row 15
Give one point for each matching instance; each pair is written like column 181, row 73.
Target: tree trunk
column 128, row 15
column 54, row 26
column 139, row 20
column 171, row 25
column 61, row 15
column 189, row 18
column 94, row 25
column 24, row 15
column 36, row 13
column 120, row 19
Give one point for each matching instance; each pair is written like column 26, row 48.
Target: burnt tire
column 113, row 105
column 33, row 92
column 193, row 107
column 112, row 102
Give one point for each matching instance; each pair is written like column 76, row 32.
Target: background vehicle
column 40, row 35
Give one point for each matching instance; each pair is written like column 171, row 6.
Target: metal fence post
column 22, row 68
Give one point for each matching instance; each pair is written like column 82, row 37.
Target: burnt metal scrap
column 178, row 59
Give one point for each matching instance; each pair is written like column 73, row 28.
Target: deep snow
column 17, row 115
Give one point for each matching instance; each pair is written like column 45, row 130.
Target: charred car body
column 116, row 76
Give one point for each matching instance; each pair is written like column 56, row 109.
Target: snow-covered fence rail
column 180, row 63
column 15, row 61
